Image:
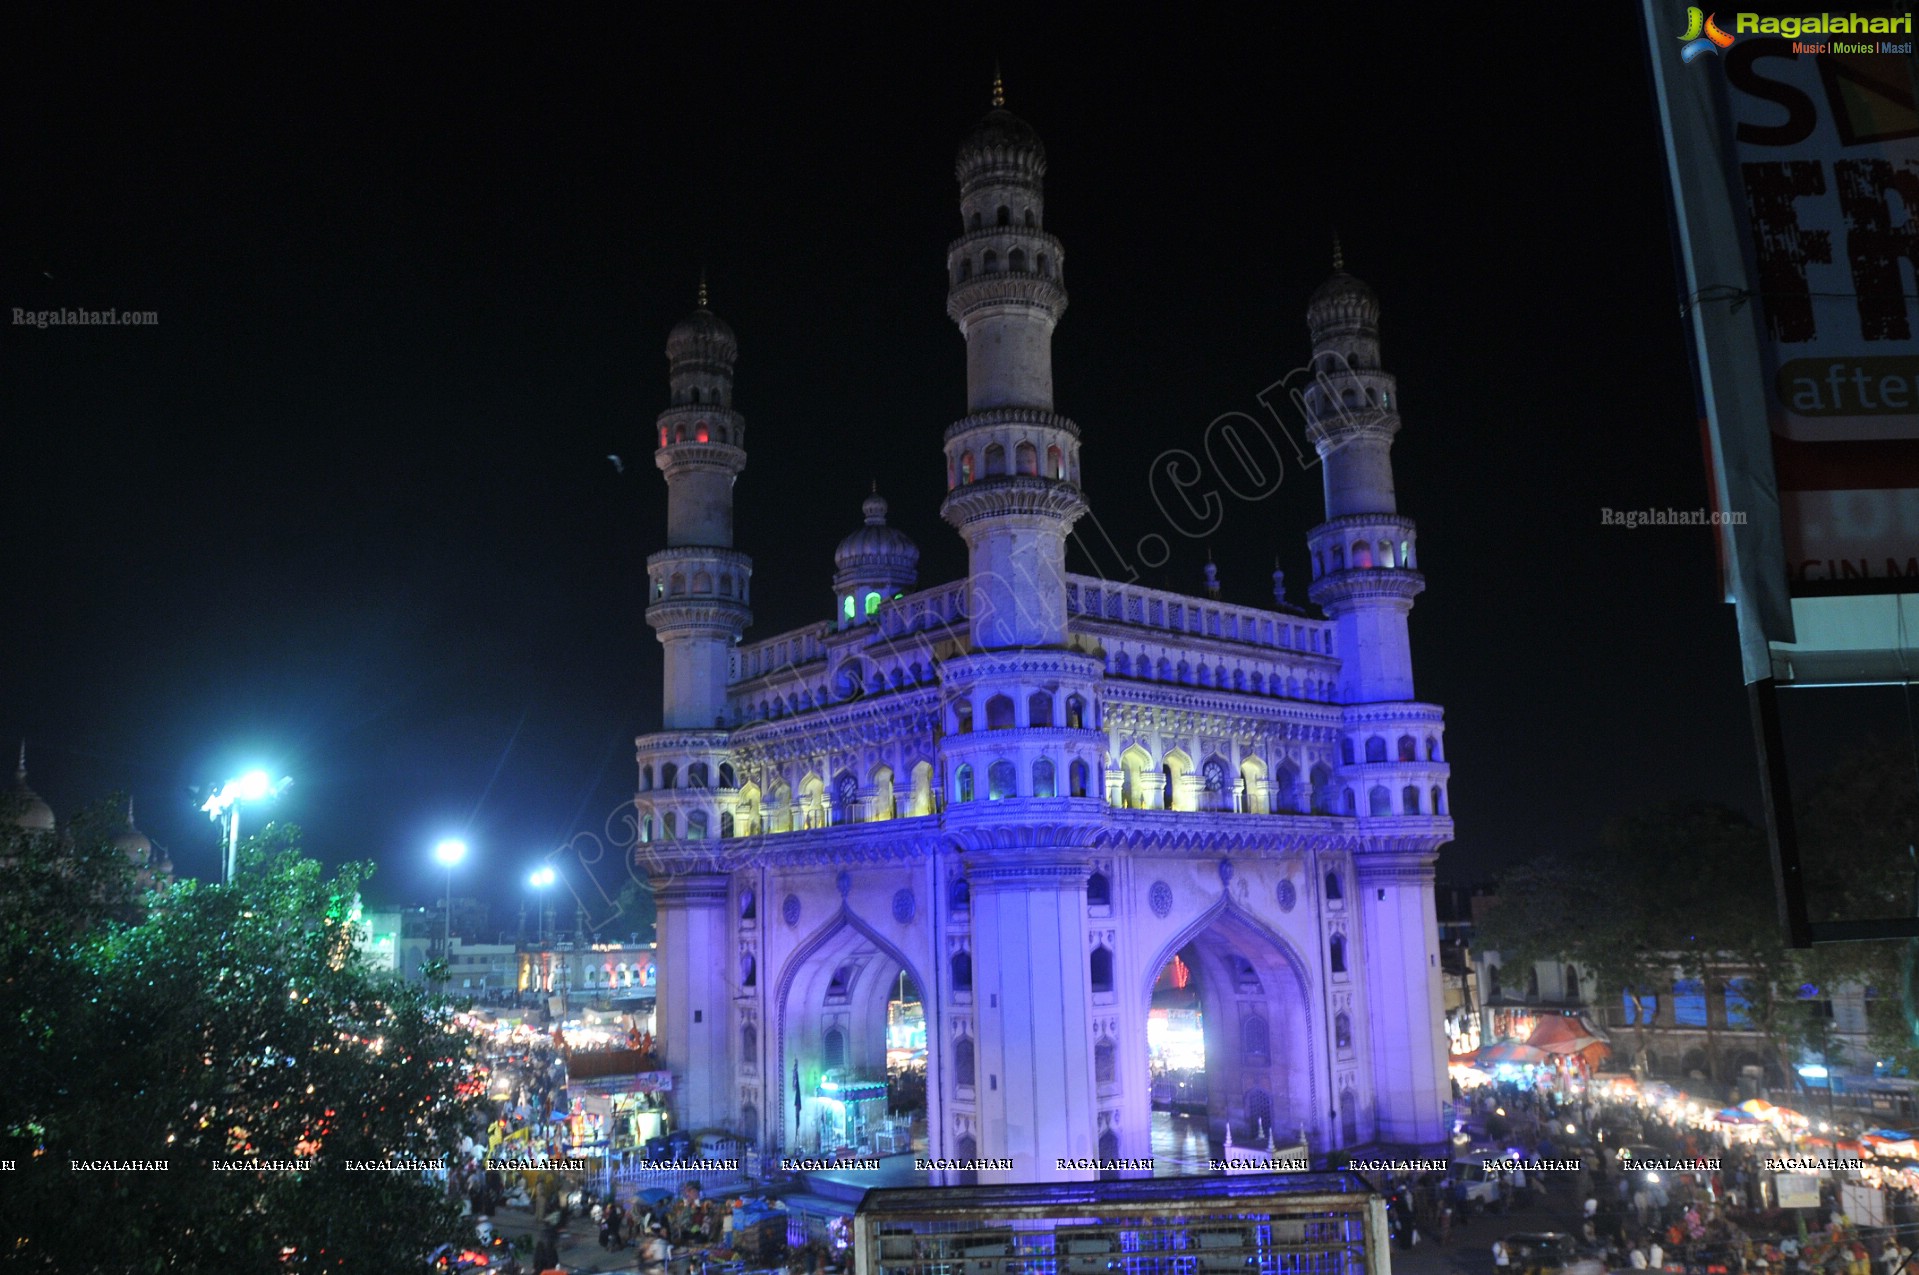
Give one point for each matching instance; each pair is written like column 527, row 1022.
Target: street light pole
column 255, row 785
column 449, row 852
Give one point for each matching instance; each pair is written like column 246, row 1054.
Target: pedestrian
column 1637, row 1258
column 1502, row 1260
column 1655, row 1256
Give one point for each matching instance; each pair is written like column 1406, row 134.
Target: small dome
column 876, row 545
column 701, row 332
column 133, row 842
column 1002, row 140
column 30, row 813
column 1342, row 304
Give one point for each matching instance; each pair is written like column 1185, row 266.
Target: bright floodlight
column 450, row 852
column 255, row 785
column 542, row 877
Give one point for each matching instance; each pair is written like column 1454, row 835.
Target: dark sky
column 347, row 510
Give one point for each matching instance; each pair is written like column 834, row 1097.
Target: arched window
column 1029, row 218
column 960, row 894
column 966, row 468
column 995, row 460
column 696, row 826
column 1254, row 1044
column 1438, row 809
column 962, row 971
column 1334, row 891
column 749, row 906
column 1075, row 713
column 999, row 713
column 989, row 263
column 1039, row 709
column 848, row 607
column 841, row 984
column 1432, row 749
column 1045, row 272
column 1105, row 1063
column 1043, row 785
column 1005, row 217
column 963, row 784
column 1077, row 776
column 1352, row 803
column 1322, row 790
column 1408, row 748
column 646, row 778
column 1375, row 748
column 1410, row 799
column 726, row 824
column 750, row 1124
column 1378, row 801
column 749, row 972
column 749, row 1043
column 677, row 584
column 1336, row 953
column 726, row 775
column 1343, row 1031
column 1348, row 1118
column 669, row 775
column 1055, row 458
column 1259, row 1110
column 962, row 717
column 1346, row 755
column 965, row 269
column 1002, row 781
column 696, row 775
column 1099, row 890
column 963, row 1062
column 972, row 220
column 700, row 433
column 1100, row 968
column 834, row 1051
column 1016, row 261
column 1166, row 793
column 872, row 605
column 1026, row 458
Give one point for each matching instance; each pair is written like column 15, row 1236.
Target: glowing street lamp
column 255, row 785
column 449, row 852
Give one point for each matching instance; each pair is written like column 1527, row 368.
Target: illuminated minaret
column 1391, row 772
column 697, row 600
column 1012, row 463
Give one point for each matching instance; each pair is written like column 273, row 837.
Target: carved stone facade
column 1028, row 790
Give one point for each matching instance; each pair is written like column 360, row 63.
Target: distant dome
column 702, row 334
column 1002, row 141
column 1341, row 304
column 30, row 813
column 876, row 547
column 133, row 842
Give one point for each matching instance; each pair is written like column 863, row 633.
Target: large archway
column 845, row 999
column 1230, row 1037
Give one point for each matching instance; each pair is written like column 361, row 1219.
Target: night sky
column 347, row 510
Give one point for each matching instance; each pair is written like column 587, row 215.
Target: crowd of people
column 1722, row 1220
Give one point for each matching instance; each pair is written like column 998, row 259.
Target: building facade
column 1027, row 790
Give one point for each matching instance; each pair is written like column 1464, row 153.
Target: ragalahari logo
column 1703, row 35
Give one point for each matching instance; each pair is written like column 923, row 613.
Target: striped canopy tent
column 1890, row 1144
column 1736, row 1115
column 1570, row 1037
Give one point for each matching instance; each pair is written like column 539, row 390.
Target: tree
column 634, row 910
column 1684, row 887
column 231, row 1024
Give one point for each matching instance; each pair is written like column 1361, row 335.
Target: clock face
column 1215, row 776
column 849, row 788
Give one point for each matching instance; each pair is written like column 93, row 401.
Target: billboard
column 1793, row 155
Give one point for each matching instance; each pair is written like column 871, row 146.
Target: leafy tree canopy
column 219, row 1024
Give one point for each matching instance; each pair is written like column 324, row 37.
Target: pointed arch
column 803, row 957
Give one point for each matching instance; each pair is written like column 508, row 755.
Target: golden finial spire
column 1339, row 256
column 702, row 287
column 999, row 88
